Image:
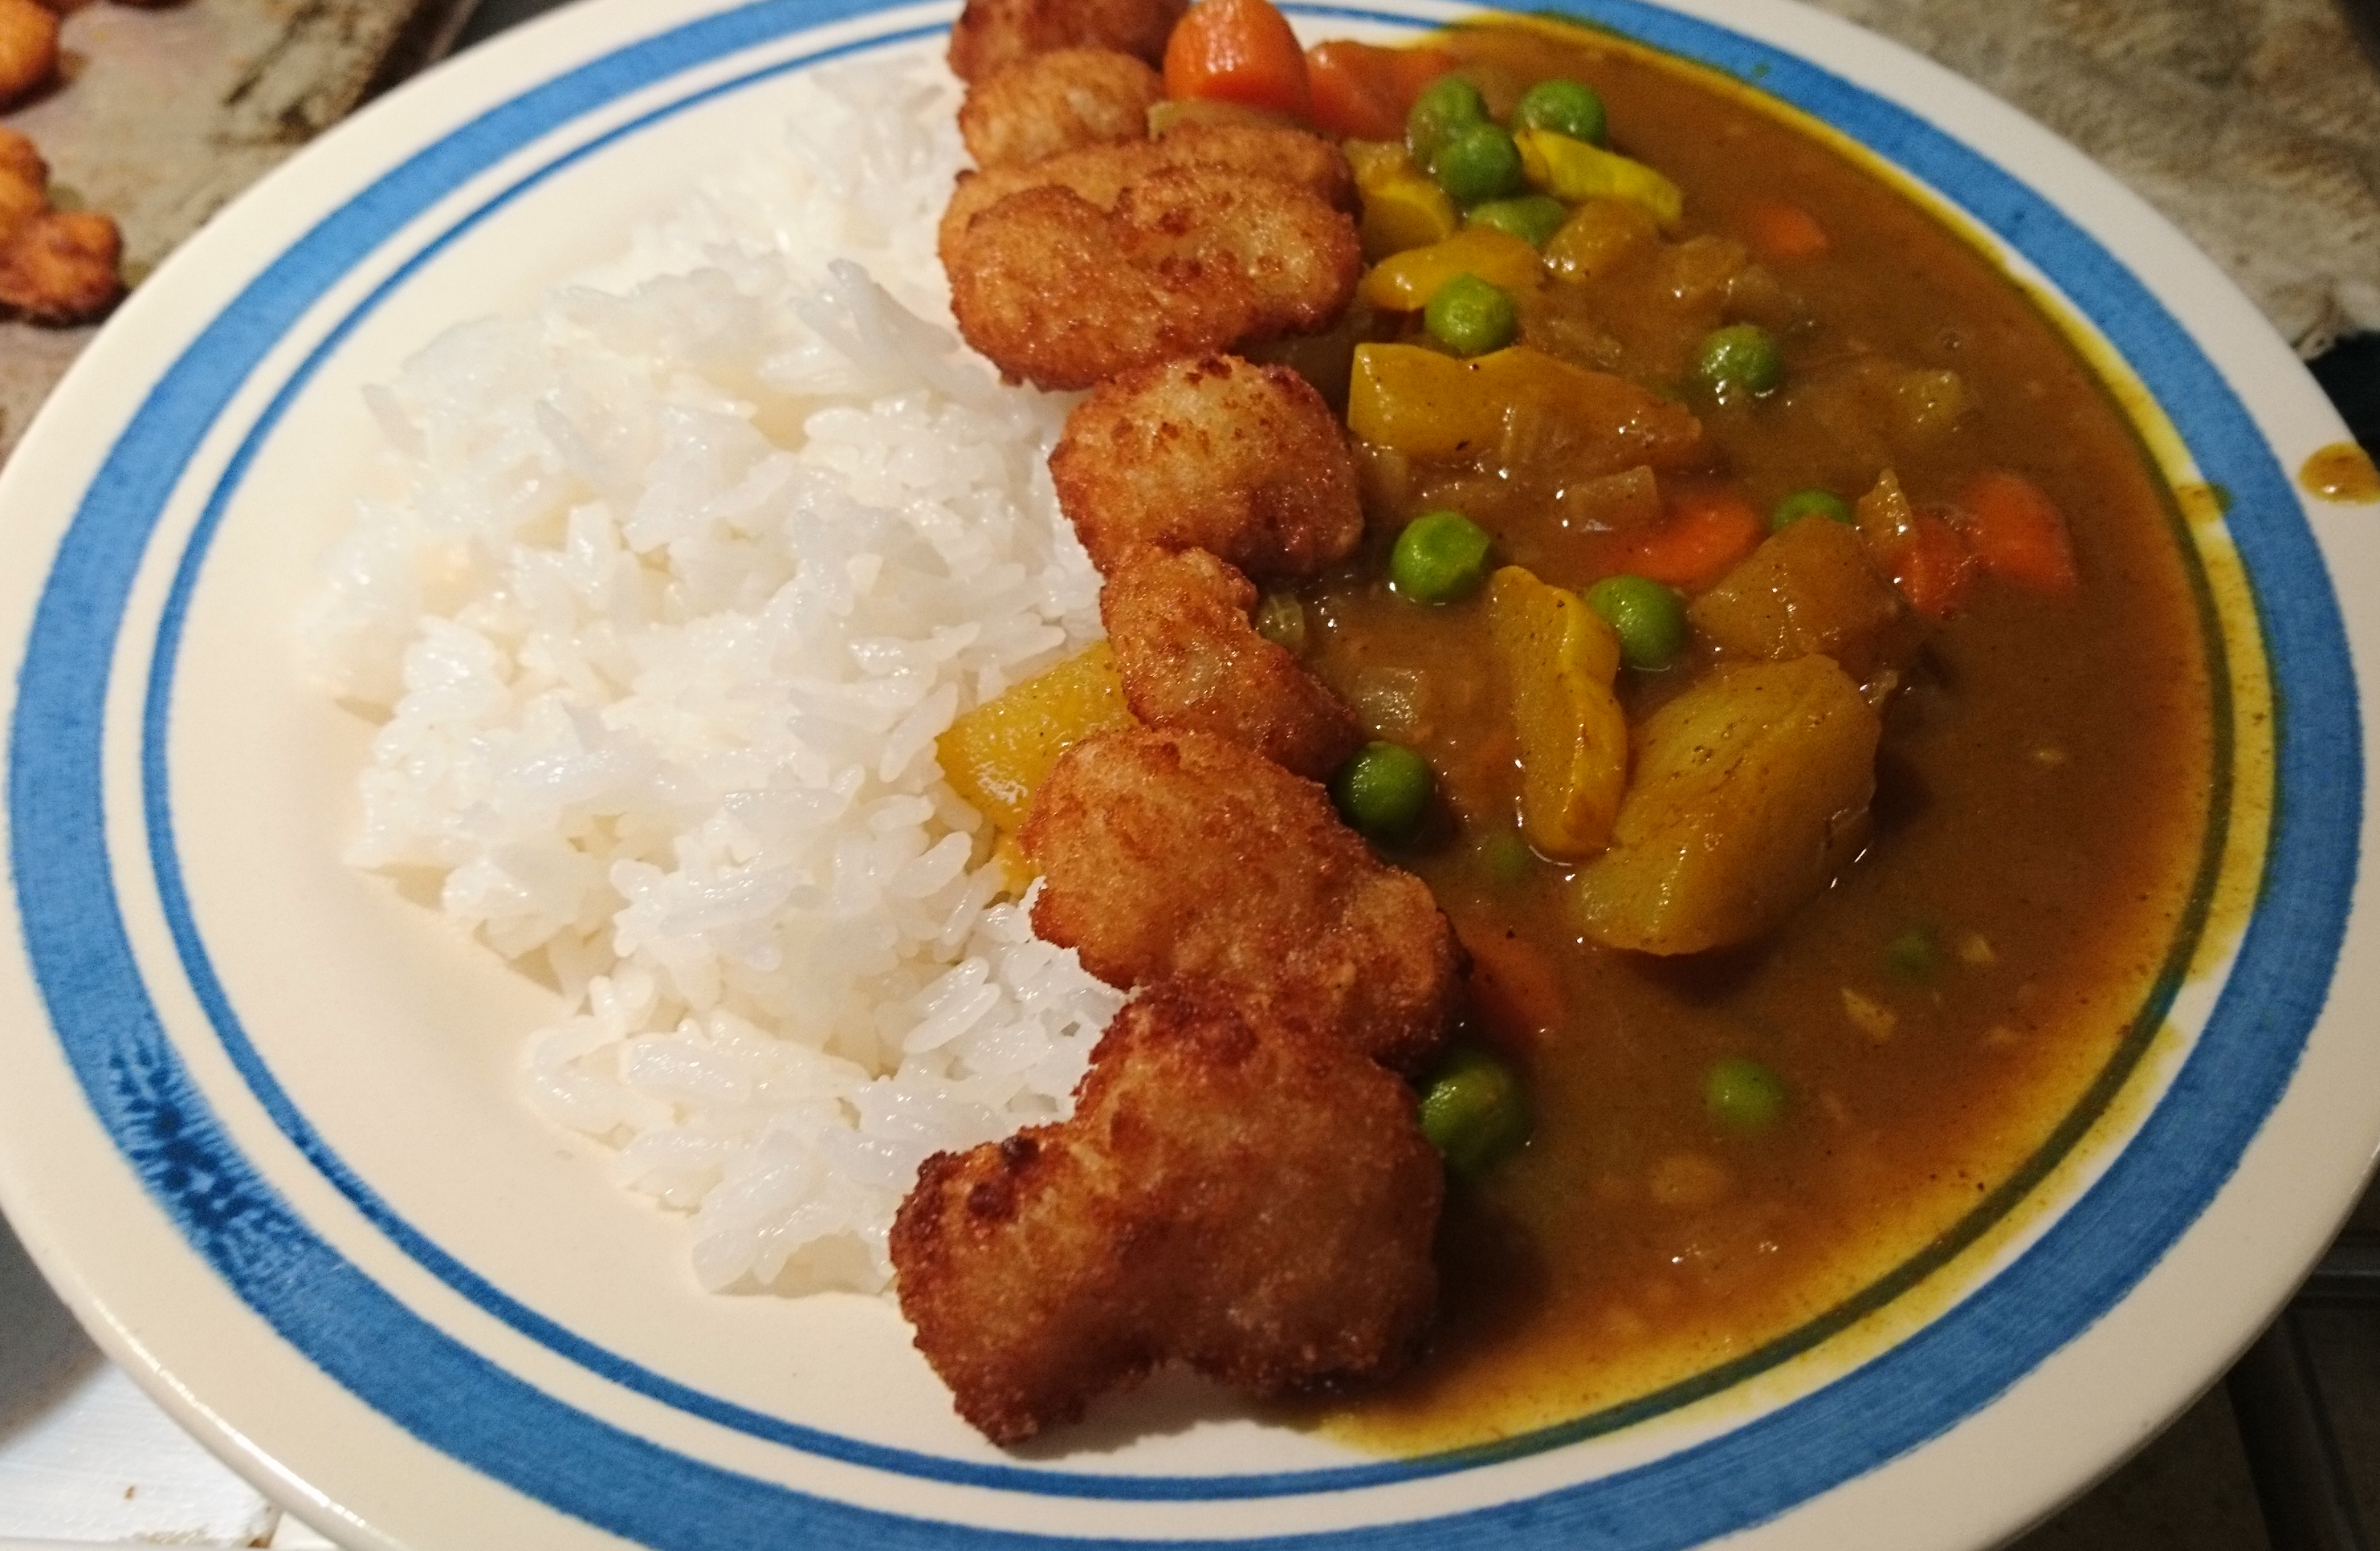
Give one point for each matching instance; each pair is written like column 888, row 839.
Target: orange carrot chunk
column 1932, row 567
column 1700, row 540
column 1362, row 92
column 2016, row 532
column 1783, row 231
column 1237, row 51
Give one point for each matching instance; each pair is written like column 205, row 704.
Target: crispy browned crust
column 1101, row 173
column 24, row 181
column 1245, row 1194
column 1190, row 660
column 1171, row 855
column 1058, row 293
column 991, row 35
column 1061, row 101
column 29, row 49
column 1221, row 454
column 61, row 268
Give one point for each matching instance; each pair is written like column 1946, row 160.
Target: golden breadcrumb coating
column 1101, row 173
column 1235, row 1192
column 1171, row 855
column 1057, row 292
column 991, row 35
column 1179, row 626
column 56, row 266
column 1222, row 454
column 29, row 49
column 1061, row 101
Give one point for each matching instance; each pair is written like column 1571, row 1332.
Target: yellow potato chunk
column 1405, row 283
column 1749, row 789
column 1809, row 589
column 1560, row 660
column 995, row 754
column 1428, row 405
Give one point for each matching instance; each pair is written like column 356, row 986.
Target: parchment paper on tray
column 167, row 113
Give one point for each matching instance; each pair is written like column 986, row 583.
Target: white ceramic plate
column 222, row 1049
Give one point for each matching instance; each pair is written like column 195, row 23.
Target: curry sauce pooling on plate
column 1724, row 1145
column 1748, row 615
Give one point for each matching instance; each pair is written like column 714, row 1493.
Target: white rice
column 693, row 563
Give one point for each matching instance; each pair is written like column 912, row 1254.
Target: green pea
column 1507, row 858
column 1915, row 955
column 1470, row 316
column 1477, row 164
column 1744, row 1096
column 1809, row 503
column 1738, row 359
column 1446, row 104
column 1383, row 790
column 1534, row 218
column 1564, row 106
column 1281, row 619
column 1650, row 619
column 1440, row 557
column 1473, row 1112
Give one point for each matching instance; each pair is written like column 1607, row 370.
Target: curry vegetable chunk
column 1748, row 789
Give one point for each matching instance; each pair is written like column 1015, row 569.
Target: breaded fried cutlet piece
column 1061, row 101
column 1219, row 453
column 56, row 266
column 1190, row 657
column 61, row 268
column 991, row 35
column 29, row 49
column 1101, row 173
column 1169, row 855
column 1250, row 1197
column 1057, row 292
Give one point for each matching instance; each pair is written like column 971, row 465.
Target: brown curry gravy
column 2044, row 792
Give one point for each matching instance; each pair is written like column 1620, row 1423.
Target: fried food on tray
column 1182, row 854
column 1055, row 291
column 1222, row 455
column 1101, row 173
column 991, row 35
column 56, row 266
column 29, row 49
column 1179, row 625
column 1061, row 101
column 1236, row 1191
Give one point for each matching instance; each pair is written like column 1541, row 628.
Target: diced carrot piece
column 1933, row 566
column 1513, row 987
column 1362, row 92
column 2016, row 532
column 1237, row 51
column 1705, row 533
column 1783, row 231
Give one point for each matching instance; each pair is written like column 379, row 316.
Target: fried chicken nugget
column 1060, row 101
column 991, row 35
column 1057, row 292
column 1222, row 455
column 1245, row 1194
column 1101, row 173
column 24, row 181
column 61, row 268
column 1190, row 660
column 29, row 49
column 1181, row 854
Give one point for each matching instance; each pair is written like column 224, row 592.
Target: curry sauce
column 2044, row 797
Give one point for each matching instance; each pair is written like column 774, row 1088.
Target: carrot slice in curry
column 1237, row 51
column 2016, row 532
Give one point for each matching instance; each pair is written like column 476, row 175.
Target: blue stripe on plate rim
column 456, row 1401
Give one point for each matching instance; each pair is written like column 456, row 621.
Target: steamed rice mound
column 679, row 577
